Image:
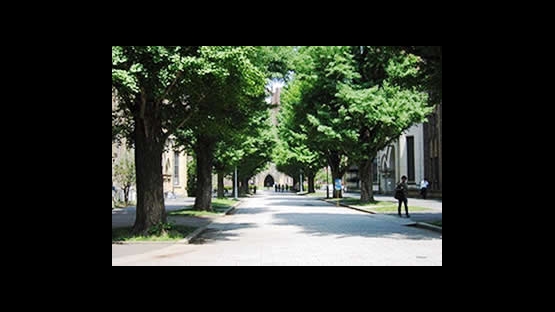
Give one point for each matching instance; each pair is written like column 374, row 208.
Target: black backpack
column 399, row 194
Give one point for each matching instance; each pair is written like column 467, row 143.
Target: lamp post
column 236, row 186
column 327, row 184
column 301, row 181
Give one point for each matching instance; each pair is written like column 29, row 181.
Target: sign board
column 338, row 184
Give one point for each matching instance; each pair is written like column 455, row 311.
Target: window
column 176, row 168
column 410, row 158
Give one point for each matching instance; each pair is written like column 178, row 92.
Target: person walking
column 401, row 192
column 424, row 188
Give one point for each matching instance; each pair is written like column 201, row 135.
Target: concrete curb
column 193, row 235
column 428, row 226
column 230, row 209
column 351, row 207
column 359, row 209
column 197, row 232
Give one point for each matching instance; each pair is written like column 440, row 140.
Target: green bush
column 160, row 228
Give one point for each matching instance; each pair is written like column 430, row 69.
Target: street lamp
column 236, row 186
column 301, row 182
column 327, row 184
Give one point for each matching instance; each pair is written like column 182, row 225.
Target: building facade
column 417, row 154
column 403, row 157
column 433, row 151
column 174, row 172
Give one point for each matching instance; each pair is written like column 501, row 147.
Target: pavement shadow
column 303, row 203
column 425, row 216
column 221, row 232
column 250, row 210
column 294, row 200
column 348, row 225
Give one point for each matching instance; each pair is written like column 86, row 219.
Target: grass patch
column 377, row 206
column 223, row 203
column 356, row 202
column 219, row 205
column 315, row 194
column 172, row 233
column 123, row 205
column 189, row 212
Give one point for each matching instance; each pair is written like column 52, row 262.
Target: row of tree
column 208, row 99
column 346, row 103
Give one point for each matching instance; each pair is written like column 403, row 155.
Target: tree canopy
column 347, row 103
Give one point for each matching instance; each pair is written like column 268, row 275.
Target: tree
column 294, row 154
column 227, row 89
column 430, row 75
column 350, row 102
column 383, row 102
column 249, row 149
column 124, row 174
column 257, row 149
column 152, row 96
column 314, row 105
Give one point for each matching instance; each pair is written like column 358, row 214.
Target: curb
column 351, row 207
column 197, row 232
column 428, row 226
column 359, row 209
column 230, row 209
column 193, row 235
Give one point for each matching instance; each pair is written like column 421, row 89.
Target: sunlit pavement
column 286, row 229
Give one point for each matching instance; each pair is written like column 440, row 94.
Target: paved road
column 285, row 229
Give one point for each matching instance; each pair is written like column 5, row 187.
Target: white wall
column 416, row 131
column 400, row 151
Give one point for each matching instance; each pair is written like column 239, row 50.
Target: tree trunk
column 233, row 182
column 244, row 187
column 366, row 181
column 148, row 159
column 220, row 184
column 247, row 185
column 126, row 194
column 205, row 157
column 294, row 183
column 334, row 161
column 311, row 182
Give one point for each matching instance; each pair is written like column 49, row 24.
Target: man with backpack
column 401, row 192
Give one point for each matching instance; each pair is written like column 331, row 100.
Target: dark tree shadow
column 239, row 211
column 221, row 232
column 348, row 225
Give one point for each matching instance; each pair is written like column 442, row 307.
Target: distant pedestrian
column 424, row 188
column 282, row 188
column 401, row 192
